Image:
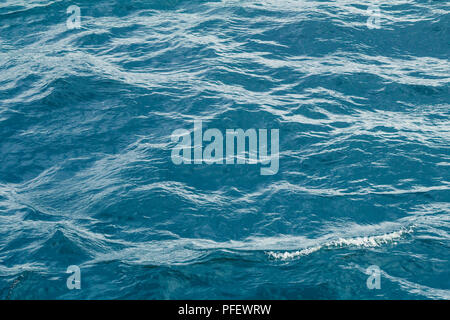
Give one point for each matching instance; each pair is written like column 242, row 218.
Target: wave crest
column 363, row 242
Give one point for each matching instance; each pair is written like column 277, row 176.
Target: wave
column 359, row 242
column 86, row 119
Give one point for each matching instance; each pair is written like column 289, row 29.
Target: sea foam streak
column 364, row 242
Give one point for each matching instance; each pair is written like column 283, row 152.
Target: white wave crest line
column 363, row 242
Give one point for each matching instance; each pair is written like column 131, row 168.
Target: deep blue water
column 86, row 176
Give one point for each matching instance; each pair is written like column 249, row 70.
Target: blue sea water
column 86, row 176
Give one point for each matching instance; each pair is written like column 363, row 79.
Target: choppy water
column 86, row 177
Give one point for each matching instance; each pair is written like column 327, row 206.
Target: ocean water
column 359, row 91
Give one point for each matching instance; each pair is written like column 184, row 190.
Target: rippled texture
column 86, row 176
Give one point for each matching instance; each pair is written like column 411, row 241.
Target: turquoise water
column 361, row 102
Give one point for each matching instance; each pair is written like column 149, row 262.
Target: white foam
column 368, row 241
